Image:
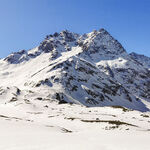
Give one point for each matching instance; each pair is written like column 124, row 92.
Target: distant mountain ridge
column 91, row 69
column 144, row 60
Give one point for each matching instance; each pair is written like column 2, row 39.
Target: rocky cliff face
column 91, row 69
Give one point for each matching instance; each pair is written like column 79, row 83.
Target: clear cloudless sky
column 25, row 23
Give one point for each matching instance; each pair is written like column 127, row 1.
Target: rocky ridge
column 91, row 69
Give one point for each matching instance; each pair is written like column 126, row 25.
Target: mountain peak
column 68, row 36
column 94, row 44
column 100, row 44
column 102, row 30
column 91, row 69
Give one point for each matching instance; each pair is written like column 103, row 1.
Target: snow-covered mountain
column 144, row 60
column 91, row 69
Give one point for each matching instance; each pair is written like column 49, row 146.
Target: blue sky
column 25, row 23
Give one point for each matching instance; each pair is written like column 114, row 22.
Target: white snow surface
column 62, row 127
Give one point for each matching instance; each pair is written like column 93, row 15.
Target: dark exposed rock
column 68, row 36
column 46, row 46
column 17, row 57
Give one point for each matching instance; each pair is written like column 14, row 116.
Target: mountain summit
column 91, row 69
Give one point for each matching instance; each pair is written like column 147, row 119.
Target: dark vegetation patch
column 27, row 101
column 121, row 107
column 146, row 116
column 35, row 113
column 16, row 118
column 13, row 99
column 62, row 102
column 66, row 130
column 111, row 127
column 114, row 122
column 2, row 116
column 39, row 98
column 71, row 118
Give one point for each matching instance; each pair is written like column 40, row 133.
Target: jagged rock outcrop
column 17, row 57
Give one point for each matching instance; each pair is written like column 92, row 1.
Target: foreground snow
column 45, row 126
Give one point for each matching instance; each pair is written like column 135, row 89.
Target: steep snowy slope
column 144, row 60
column 91, row 69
